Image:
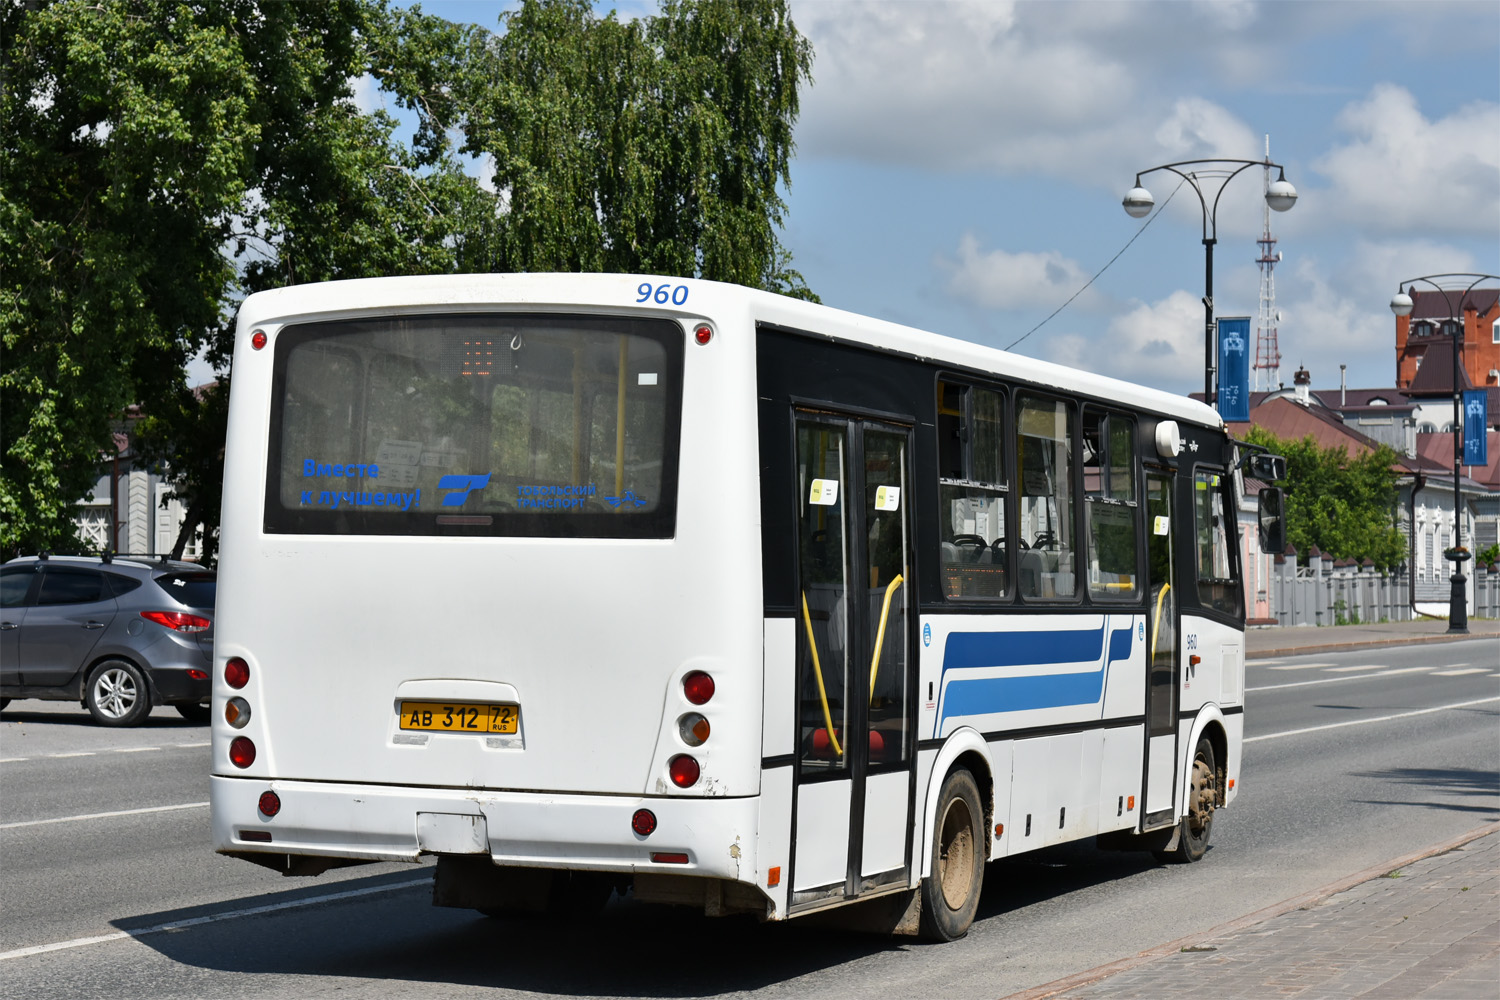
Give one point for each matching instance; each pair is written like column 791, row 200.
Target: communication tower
column 1267, row 351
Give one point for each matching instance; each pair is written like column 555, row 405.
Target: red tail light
column 236, row 673
column 643, row 822
column 684, row 771
column 241, row 751
column 178, row 621
column 698, row 687
column 270, row 803
column 664, row 858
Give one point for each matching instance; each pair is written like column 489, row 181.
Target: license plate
column 460, row 717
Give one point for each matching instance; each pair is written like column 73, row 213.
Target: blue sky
column 960, row 167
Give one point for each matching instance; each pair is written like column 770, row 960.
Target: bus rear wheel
column 950, row 895
column 1203, row 798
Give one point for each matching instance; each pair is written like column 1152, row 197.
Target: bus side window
column 1217, row 568
column 1111, row 512
column 972, row 491
column 1044, row 445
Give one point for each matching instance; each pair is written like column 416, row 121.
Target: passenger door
column 1162, row 667
column 855, row 744
column 72, row 610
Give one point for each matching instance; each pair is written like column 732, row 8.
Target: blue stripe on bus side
column 991, row 695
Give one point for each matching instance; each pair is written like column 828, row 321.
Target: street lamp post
column 1280, row 195
column 1402, row 305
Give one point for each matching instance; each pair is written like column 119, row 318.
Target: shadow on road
column 631, row 949
column 1452, row 789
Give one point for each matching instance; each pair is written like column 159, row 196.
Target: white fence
column 1343, row 593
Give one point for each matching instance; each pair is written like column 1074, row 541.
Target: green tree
column 659, row 145
column 1345, row 506
column 161, row 160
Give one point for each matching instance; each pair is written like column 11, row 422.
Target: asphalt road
column 1351, row 759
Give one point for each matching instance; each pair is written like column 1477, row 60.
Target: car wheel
column 116, row 694
column 193, row 713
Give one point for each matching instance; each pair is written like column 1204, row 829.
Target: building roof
column 1291, row 421
column 1437, row 449
column 1435, row 375
column 1432, row 304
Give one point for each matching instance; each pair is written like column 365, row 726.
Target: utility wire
column 1101, row 270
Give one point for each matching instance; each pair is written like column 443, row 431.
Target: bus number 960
column 662, row 294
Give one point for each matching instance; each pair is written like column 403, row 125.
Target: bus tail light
column 270, row 804
column 663, row 858
column 643, row 822
column 698, row 687
column 237, row 712
column 683, row 769
column 236, row 673
column 241, row 751
column 693, row 728
column 703, row 335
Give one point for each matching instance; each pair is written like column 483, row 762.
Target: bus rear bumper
column 715, row 836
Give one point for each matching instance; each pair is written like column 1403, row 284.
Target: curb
column 1340, row 647
column 1094, row 975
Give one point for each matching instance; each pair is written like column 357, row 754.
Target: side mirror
column 1270, row 514
column 1269, row 468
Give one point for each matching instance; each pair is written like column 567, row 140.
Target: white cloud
column 1158, row 344
column 1198, row 129
column 1001, row 280
column 1402, row 171
column 367, row 94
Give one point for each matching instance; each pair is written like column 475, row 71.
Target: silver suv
column 119, row 635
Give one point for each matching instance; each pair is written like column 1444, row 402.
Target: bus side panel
column 774, row 850
column 1120, row 779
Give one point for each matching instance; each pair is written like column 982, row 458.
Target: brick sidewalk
column 1430, row 930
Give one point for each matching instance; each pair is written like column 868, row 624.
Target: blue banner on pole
column 1476, row 424
column 1234, row 368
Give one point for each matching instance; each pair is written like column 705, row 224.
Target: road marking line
column 1361, row 722
column 1303, row 666
column 177, row 925
column 1362, row 666
column 1461, row 673
column 205, row 743
column 76, row 753
column 135, row 749
column 1346, row 677
column 104, row 815
column 12, row 760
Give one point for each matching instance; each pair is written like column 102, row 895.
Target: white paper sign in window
column 824, row 493
column 1159, row 525
column 888, row 498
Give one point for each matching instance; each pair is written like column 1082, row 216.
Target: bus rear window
column 512, row 425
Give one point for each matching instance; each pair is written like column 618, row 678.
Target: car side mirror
column 1270, row 513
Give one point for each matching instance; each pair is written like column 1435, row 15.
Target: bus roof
column 609, row 292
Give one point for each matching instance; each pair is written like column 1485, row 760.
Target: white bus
column 596, row 582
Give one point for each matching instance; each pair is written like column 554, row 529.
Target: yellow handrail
column 818, row 671
column 1156, row 623
column 880, row 633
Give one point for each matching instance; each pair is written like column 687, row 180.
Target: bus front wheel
column 1203, row 798
column 950, row 895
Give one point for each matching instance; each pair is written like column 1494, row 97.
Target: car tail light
column 237, row 712
column 270, row 804
column 684, row 771
column 241, row 751
column 693, row 728
column 198, row 675
column 178, row 621
column 236, row 673
column 643, row 822
column 698, row 687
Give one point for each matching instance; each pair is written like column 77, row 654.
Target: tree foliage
column 1345, row 506
column 163, row 159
